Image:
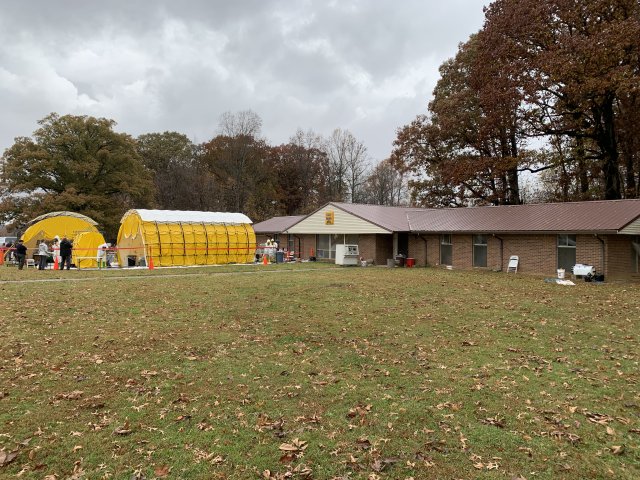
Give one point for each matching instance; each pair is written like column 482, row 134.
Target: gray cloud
column 368, row 66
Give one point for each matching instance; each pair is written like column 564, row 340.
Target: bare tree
column 385, row 186
column 245, row 123
column 347, row 165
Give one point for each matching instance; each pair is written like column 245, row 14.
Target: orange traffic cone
column 55, row 262
column 265, row 259
column 151, row 267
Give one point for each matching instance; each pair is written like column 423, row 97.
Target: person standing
column 55, row 249
column 65, row 253
column 21, row 254
column 43, row 251
column 101, row 255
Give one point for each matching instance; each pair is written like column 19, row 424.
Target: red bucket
column 410, row 262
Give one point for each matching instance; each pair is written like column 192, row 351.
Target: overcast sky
column 367, row 66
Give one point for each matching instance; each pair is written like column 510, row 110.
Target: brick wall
column 589, row 251
column 538, row 253
column 303, row 245
column 417, row 250
column 384, row 248
column 367, row 247
column 620, row 259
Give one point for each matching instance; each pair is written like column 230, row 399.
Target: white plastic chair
column 513, row 264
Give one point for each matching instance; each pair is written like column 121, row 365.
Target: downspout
column 426, row 250
column 501, row 251
column 299, row 245
column 601, row 251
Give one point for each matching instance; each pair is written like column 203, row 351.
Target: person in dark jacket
column 65, row 253
column 21, row 254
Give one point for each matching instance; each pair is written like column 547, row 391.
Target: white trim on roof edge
column 176, row 216
column 345, row 223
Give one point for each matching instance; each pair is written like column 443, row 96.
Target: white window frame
column 334, row 239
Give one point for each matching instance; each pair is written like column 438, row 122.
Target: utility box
column 347, row 255
column 580, row 270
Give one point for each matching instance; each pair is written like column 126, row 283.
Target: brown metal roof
column 277, row 224
column 605, row 216
column 393, row 219
column 595, row 216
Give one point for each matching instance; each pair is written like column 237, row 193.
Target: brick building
column 545, row 237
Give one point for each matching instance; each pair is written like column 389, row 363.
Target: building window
column 323, row 244
column 479, row 250
column 566, row 252
column 446, row 250
column 327, row 244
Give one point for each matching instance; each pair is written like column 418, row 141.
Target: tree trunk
column 512, row 173
column 583, row 178
column 606, row 139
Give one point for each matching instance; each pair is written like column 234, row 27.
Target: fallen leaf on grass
column 617, row 449
column 287, row 457
column 363, row 443
column 7, row 457
column 162, row 471
column 569, row 437
column 75, row 395
column 495, row 421
column 295, row 446
column 359, row 410
column 123, row 430
column 380, row 464
column 599, row 418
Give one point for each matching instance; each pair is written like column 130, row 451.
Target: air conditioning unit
column 347, row 255
column 583, row 270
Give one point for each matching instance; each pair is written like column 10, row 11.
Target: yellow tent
column 171, row 237
column 72, row 225
column 86, row 257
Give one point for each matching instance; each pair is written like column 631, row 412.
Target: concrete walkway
column 162, row 275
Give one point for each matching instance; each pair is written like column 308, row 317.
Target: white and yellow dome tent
column 78, row 228
column 174, row 238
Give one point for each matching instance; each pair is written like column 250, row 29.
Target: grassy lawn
column 309, row 371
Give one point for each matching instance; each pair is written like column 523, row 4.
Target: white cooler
column 583, row 270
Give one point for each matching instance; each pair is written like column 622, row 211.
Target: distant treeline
column 81, row 164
